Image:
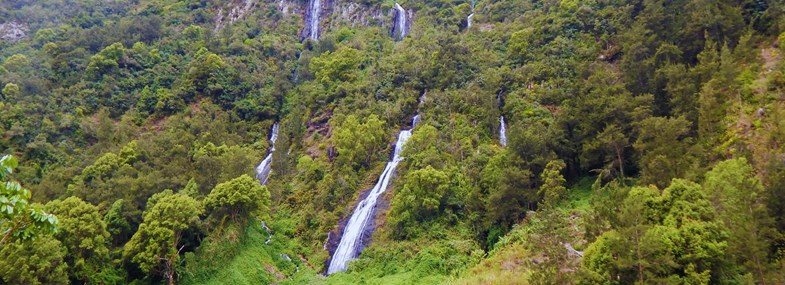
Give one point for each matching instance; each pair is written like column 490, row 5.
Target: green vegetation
column 645, row 142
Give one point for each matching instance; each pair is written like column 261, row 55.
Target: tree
column 106, row 61
column 157, row 244
column 740, row 200
column 332, row 67
column 552, row 188
column 239, row 198
column 18, row 218
column 419, row 200
column 83, row 234
column 11, row 91
column 34, row 262
column 16, row 63
column 660, row 237
column 356, row 143
column 664, row 147
column 117, row 223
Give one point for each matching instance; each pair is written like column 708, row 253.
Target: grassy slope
column 244, row 258
column 510, row 263
column 421, row 261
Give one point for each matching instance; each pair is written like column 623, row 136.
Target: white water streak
column 351, row 241
column 502, row 131
column 313, row 20
column 264, row 168
column 400, row 22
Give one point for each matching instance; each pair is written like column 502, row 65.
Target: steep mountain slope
column 555, row 142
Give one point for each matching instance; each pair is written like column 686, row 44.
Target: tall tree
column 552, row 188
column 419, row 201
column 34, row 262
column 82, row 232
column 740, row 200
column 664, row 147
column 156, row 246
column 239, row 198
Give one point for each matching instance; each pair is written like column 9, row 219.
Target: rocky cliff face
column 355, row 14
column 233, row 11
column 401, row 22
column 332, row 14
column 13, row 31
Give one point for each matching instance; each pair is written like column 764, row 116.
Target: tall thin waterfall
column 313, row 19
column 469, row 21
column 502, row 131
column 351, row 241
column 264, row 168
column 400, row 23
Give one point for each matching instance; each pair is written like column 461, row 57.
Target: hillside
column 378, row 142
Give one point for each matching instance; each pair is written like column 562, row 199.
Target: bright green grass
column 578, row 196
column 241, row 258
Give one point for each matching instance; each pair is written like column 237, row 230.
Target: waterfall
column 502, row 131
column 400, row 22
column 469, row 21
column 351, row 241
column 263, row 169
column 312, row 19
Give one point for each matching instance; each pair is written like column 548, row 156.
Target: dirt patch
column 278, row 275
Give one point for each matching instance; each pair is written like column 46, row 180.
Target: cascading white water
column 502, row 131
column 469, row 21
column 400, row 23
column 264, row 168
column 351, row 241
column 313, row 19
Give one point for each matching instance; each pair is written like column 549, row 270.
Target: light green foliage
column 419, row 201
column 106, row 61
column 337, row 66
column 781, row 42
column 665, row 236
column 34, row 262
column 519, row 44
column 16, row 63
column 423, row 148
column 156, row 245
column 18, row 218
column 205, row 74
column 82, row 232
column 11, row 91
column 97, row 183
column 357, row 142
column 221, row 163
column 598, row 260
column 191, row 189
column 738, row 196
column 552, row 188
column 239, row 198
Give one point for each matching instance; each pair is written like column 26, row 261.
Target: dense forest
column 486, row 142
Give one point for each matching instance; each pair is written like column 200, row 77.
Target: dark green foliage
column 157, row 244
column 109, row 104
column 239, row 198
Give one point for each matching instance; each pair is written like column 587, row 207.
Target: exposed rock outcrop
column 13, row 31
